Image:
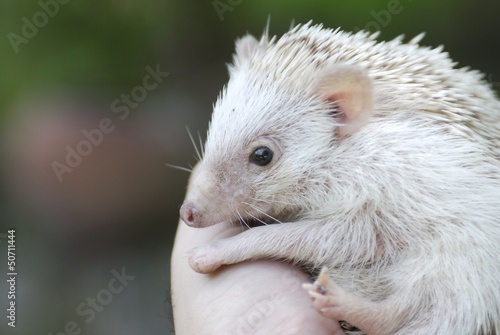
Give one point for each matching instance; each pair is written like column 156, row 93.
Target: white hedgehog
column 379, row 160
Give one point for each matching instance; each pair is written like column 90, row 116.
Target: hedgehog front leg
column 298, row 241
column 291, row 240
column 333, row 302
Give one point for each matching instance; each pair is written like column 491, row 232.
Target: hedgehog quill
column 377, row 160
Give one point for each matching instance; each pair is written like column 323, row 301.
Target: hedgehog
column 377, row 161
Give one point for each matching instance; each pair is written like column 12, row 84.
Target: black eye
column 261, row 156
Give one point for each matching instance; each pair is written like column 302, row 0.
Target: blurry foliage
column 86, row 45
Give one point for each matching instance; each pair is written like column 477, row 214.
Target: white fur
column 405, row 212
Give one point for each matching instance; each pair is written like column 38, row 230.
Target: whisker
column 262, row 212
column 202, row 147
column 198, row 156
column 241, row 219
column 256, row 218
column 179, row 167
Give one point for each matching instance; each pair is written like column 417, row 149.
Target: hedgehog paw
column 328, row 297
column 202, row 260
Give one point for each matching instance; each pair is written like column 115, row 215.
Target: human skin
column 263, row 297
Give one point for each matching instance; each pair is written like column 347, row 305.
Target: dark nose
column 187, row 214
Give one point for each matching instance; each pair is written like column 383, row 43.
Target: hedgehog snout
column 195, row 214
column 191, row 215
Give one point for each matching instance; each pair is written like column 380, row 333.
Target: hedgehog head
column 272, row 130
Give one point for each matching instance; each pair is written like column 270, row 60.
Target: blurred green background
column 62, row 72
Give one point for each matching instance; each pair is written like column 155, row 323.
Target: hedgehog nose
column 188, row 214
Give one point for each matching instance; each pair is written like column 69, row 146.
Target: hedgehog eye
column 261, row 156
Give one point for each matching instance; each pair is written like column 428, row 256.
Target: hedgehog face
column 226, row 185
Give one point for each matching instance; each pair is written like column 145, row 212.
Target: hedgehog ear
column 350, row 89
column 245, row 47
